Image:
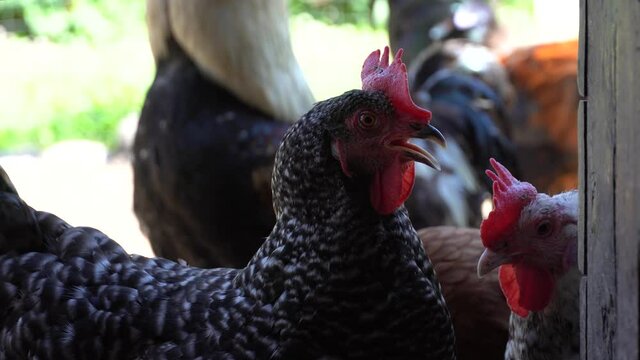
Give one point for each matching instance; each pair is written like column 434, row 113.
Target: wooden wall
column 609, row 126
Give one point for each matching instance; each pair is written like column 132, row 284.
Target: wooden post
column 609, row 125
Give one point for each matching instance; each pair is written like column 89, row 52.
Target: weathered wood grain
column 583, row 318
column 582, row 175
column 610, row 184
column 600, row 205
column 627, row 178
column 582, row 187
column 582, row 50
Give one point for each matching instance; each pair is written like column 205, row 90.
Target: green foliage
column 355, row 12
column 369, row 12
column 70, row 91
column 52, row 91
column 86, row 63
column 97, row 120
column 12, row 16
column 526, row 5
column 97, row 123
column 94, row 73
column 66, row 20
column 94, row 67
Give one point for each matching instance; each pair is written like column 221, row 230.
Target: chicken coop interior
column 319, row 179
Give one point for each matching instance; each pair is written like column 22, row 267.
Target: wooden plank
column 610, row 184
column 582, row 187
column 582, row 174
column 600, row 312
column 582, row 50
column 627, row 179
column 583, row 319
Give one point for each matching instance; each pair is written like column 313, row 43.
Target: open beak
column 490, row 260
column 417, row 153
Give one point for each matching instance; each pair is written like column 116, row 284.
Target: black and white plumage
column 335, row 279
column 553, row 333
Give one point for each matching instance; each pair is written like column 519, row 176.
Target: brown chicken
column 545, row 114
column 477, row 305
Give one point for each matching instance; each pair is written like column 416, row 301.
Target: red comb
column 378, row 75
column 510, row 196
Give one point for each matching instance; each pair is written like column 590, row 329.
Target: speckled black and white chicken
column 342, row 275
column 227, row 88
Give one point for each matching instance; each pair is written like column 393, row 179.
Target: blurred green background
column 74, row 69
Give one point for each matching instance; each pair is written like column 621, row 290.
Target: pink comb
column 378, row 75
column 510, row 196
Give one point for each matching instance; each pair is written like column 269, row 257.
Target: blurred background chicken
column 478, row 308
column 415, row 25
column 534, row 105
column 467, row 89
column 544, row 116
column 226, row 89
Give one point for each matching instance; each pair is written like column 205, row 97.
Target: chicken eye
column 367, row 121
column 544, row 228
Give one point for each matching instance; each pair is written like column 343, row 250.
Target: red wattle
column 527, row 288
column 536, row 287
column 391, row 186
column 511, row 290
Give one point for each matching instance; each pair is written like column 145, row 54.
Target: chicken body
column 477, row 305
column 414, row 25
column 553, row 333
column 544, row 123
column 532, row 237
column 226, row 89
column 202, row 169
column 334, row 279
column 73, row 293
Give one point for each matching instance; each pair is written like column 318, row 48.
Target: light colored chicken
column 532, row 237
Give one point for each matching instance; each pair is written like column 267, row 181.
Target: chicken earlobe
column 338, row 151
